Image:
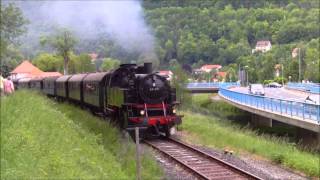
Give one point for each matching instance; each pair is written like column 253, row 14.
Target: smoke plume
column 122, row 20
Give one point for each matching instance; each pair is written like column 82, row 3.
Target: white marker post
column 137, row 153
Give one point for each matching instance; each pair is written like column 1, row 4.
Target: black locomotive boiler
column 131, row 95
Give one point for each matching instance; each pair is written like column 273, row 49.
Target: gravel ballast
column 257, row 166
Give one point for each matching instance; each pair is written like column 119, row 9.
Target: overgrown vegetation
column 41, row 139
column 210, row 104
column 209, row 131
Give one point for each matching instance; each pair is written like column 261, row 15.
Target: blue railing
column 212, row 85
column 309, row 87
column 285, row 107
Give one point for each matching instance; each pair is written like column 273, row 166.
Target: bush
column 279, row 80
column 265, row 82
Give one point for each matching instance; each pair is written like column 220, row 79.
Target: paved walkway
column 281, row 93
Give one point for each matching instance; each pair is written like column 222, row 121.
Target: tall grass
column 208, row 129
column 41, row 139
column 204, row 104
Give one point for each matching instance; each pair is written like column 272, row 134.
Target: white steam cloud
column 122, row 20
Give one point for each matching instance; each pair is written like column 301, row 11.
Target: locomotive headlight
column 142, row 112
column 174, row 110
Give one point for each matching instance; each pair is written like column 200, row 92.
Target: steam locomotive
column 131, row 95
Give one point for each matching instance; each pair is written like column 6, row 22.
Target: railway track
column 199, row 163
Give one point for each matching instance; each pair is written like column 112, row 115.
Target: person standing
column 8, row 86
column 1, row 84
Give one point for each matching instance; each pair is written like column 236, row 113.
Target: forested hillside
column 224, row 32
column 188, row 32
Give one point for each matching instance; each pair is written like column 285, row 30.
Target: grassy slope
column 43, row 139
column 211, row 131
column 203, row 104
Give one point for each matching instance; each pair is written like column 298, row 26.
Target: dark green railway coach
column 49, row 84
column 62, row 86
column 94, row 90
column 75, row 84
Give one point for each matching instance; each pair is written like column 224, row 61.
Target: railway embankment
column 43, row 139
column 203, row 126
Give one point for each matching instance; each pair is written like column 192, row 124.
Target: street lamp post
column 247, row 76
column 289, row 78
column 240, row 77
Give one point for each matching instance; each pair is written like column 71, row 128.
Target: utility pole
column 239, row 75
column 65, row 54
column 247, row 79
column 282, row 75
column 299, row 66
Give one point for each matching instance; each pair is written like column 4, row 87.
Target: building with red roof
column 28, row 70
column 93, row 56
column 222, row 74
column 166, row 73
column 209, row 67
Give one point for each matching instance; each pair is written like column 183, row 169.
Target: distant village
column 206, row 73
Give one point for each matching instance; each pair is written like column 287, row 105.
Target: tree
column 179, row 81
column 293, row 70
column 13, row 25
column 312, row 61
column 48, row 62
column 198, row 64
column 187, row 49
column 231, row 75
column 109, row 63
column 83, row 64
column 63, row 42
column 72, row 65
column 169, row 48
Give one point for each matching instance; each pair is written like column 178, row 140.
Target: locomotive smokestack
column 148, row 68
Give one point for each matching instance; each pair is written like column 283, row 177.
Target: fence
column 285, row 107
column 212, row 85
column 309, row 87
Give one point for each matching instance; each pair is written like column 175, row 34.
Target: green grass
column 213, row 131
column 43, row 139
column 203, row 103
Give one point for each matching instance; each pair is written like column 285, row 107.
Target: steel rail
column 227, row 166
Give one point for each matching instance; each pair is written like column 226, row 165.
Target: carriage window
column 90, row 87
